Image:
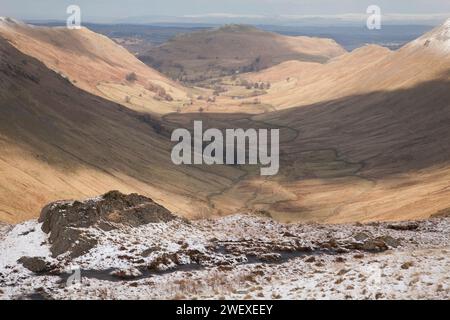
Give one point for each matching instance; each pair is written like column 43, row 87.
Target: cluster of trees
column 131, row 77
column 218, row 90
column 262, row 85
column 257, row 85
column 207, row 99
column 256, row 65
column 250, row 102
column 161, row 93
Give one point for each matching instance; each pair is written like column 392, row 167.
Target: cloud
column 224, row 15
column 114, row 9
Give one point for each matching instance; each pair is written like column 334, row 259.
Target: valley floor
column 236, row 257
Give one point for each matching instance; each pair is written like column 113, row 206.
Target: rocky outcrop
column 35, row 264
column 365, row 242
column 411, row 226
column 66, row 222
column 246, row 250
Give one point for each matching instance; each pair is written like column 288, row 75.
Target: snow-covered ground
column 437, row 40
column 236, row 257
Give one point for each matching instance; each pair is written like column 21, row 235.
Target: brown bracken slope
column 96, row 64
column 59, row 142
column 363, row 137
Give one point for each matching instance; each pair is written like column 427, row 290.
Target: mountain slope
column 362, row 71
column 96, row 64
column 206, row 54
column 368, row 69
column 378, row 149
column 364, row 137
column 59, row 141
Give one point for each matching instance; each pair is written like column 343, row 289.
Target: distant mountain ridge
column 234, row 49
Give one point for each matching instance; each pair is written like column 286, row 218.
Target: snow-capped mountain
column 437, row 39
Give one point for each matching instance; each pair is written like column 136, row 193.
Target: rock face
column 64, row 221
column 35, row 264
column 404, row 226
column 216, row 258
column 371, row 244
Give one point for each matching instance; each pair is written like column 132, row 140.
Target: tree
column 131, row 77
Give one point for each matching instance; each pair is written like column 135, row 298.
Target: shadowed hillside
column 365, row 138
column 379, row 156
column 59, row 141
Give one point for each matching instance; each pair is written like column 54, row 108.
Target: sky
column 112, row 10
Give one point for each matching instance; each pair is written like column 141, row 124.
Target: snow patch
column 26, row 239
column 437, row 40
column 116, row 268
